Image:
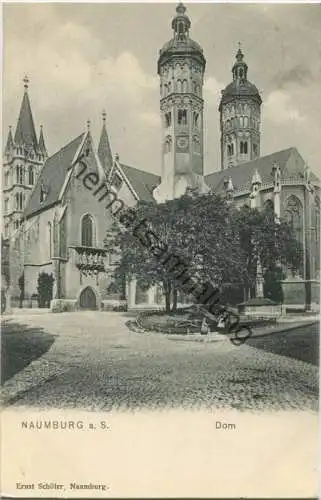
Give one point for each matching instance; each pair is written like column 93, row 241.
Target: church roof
column 104, row 150
column 240, row 89
column 25, row 131
column 291, row 163
column 142, row 182
column 52, row 176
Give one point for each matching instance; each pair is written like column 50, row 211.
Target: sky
column 84, row 58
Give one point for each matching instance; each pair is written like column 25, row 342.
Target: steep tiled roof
column 290, row 162
column 52, row 176
column 142, row 182
column 104, row 151
column 25, row 131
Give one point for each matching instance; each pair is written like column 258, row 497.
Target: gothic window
column 195, row 119
column 243, row 147
column 168, row 119
column 6, row 179
column 87, row 231
column 230, row 149
column 182, row 117
column 6, row 230
column 294, row 215
column 49, row 239
column 242, row 121
column 316, row 236
column 246, row 121
column 19, row 174
column 179, row 86
column 19, row 201
column 268, row 206
column 185, row 86
column 6, row 205
column 62, row 236
column 255, row 149
column 31, row 179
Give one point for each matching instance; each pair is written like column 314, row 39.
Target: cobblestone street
column 94, row 362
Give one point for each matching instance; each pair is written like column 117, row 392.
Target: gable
column 143, row 183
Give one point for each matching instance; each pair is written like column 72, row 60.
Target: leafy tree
column 215, row 242
column 45, row 289
column 270, row 240
column 21, row 283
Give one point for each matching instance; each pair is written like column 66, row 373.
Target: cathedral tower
column 240, row 114
column 24, row 156
column 181, row 66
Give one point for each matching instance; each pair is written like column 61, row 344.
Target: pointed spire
column 41, row 143
column 104, row 151
column 25, row 132
column 9, row 144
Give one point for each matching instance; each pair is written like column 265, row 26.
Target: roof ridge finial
column 26, row 82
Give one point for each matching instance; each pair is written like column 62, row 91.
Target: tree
column 270, row 240
column 21, row 283
column 45, row 289
column 206, row 236
column 194, row 231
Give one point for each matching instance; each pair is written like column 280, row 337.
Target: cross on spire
column 104, row 114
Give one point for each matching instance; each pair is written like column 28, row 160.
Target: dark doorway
column 88, row 299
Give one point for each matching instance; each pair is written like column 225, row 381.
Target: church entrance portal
column 87, row 299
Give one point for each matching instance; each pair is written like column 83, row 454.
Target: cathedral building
column 64, row 225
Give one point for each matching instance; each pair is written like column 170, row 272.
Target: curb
column 285, row 328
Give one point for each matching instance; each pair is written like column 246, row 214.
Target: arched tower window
column 185, row 86
column 31, row 178
column 182, row 117
column 87, row 231
column 243, row 147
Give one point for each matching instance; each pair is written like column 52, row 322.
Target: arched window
column 87, row 231
column 179, row 86
column 31, row 179
column 230, row 149
column 268, row 206
column 243, row 147
column 19, row 174
column 182, row 117
column 293, row 213
column 246, row 121
column 185, row 86
column 316, row 236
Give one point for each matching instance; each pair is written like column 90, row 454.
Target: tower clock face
column 182, row 142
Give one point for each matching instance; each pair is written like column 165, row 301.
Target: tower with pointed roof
column 104, row 150
column 181, row 66
column 240, row 117
column 24, row 157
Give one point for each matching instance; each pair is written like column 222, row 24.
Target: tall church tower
column 240, row 115
column 181, row 66
column 23, row 158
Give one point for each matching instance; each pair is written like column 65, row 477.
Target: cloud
column 212, row 90
column 279, row 108
column 298, row 75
